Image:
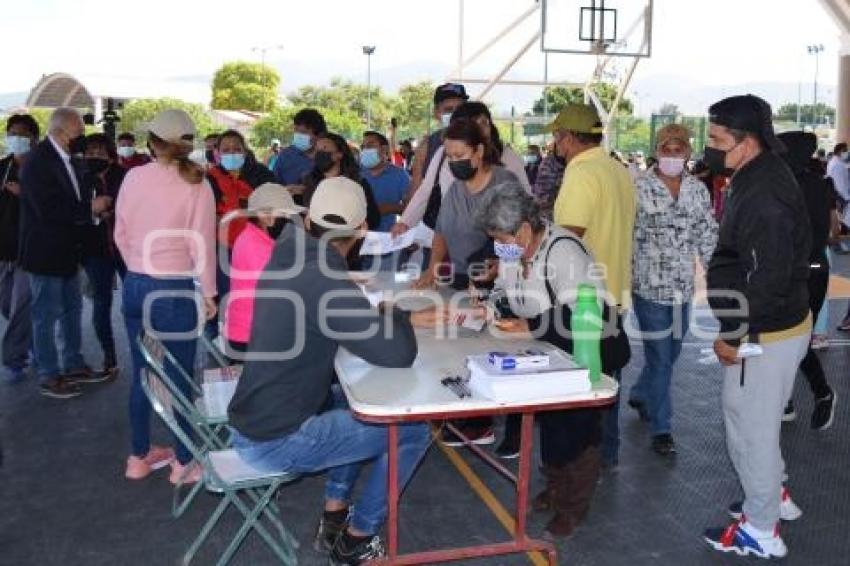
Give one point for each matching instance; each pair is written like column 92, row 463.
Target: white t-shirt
column 837, row 170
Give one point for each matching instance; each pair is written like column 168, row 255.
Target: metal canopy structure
column 839, row 10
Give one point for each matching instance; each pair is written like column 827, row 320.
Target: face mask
column 715, row 160
column 530, row 159
column 462, row 169
column 17, row 144
column 96, row 165
column 77, row 144
column 209, row 156
column 276, row 229
column 508, row 252
column 126, row 151
column 324, row 161
column 561, row 160
column 232, row 161
column 445, row 119
column 842, row 156
column 671, row 166
column 369, row 158
column 301, row 141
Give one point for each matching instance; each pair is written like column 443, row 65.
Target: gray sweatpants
column 15, row 303
column 752, row 413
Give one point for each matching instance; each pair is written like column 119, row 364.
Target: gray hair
column 505, row 207
column 60, row 118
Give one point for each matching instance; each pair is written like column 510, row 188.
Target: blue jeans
column 167, row 314
column 56, row 300
column 15, row 303
column 611, row 429
column 335, row 441
column 101, row 272
column 663, row 327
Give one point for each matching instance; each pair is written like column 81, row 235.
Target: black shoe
column 330, row 526
column 790, row 414
column 641, row 409
column 351, row 551
column 824, row 412
column 509, row 447
column 663, row 444
column 85, row 375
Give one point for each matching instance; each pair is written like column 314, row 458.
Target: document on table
column 380, row 243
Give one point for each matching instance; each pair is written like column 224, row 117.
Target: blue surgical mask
column 446, row 119
column 508, row 252
column 17, row 144
column 301, row 141
column 232, row 161
column 369, row 158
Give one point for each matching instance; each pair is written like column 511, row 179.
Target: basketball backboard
column 621, row 28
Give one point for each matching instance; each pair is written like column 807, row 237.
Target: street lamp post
column 368, row 50
column 815, row 50
column 262, row 51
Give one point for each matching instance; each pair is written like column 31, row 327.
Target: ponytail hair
column 467, row 131
column 169, row 153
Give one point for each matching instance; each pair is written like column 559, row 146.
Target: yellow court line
column 502, row 514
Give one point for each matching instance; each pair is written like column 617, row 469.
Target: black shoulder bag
column 435, row 198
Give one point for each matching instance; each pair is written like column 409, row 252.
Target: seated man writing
column 285, row 416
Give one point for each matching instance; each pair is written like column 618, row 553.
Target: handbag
column 435, row 198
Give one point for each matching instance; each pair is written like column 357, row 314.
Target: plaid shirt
column 669, row 234
column 550, row 176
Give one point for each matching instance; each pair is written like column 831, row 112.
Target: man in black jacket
column 21, row 136
column 284, row 415
column 54, row 208
column 757, row 288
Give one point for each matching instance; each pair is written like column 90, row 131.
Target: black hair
column 472, row 110
column 312, row 119
column 233, row 134
column 127, row 136
column 382, row 139
column 587, row 139
column 839, row 147
column 467, row 131
column 348, row 166
column 24, row 120
column 104, row 141
column 215, row 137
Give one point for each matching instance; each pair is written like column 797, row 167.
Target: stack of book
column 562, row 376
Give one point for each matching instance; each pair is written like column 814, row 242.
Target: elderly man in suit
column 54, row 209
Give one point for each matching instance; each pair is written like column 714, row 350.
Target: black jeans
column 811, row 366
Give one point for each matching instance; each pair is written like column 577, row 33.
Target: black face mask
column 561, row 159
column 715, row 160
column 209, row 155
column 77, row 144
column 323, row 161
column 462, row 169
column 275, row 229
column 96, row 165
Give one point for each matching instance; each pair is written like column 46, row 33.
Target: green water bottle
column 586, row 324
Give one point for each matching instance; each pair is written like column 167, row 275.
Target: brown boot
column 543, row 502
column 571, row 504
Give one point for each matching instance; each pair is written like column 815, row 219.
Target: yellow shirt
column 598, row 195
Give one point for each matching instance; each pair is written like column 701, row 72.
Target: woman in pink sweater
column 270, row 206
column 165, row 229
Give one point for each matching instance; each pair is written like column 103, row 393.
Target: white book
column 562, row 377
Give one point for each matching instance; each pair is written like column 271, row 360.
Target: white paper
column 381, row 243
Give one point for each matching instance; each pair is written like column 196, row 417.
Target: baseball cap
column 673, row 132
column 338, row 196
column 449, row 90
column 173, row 126
column 579, row 118
column 747, row 113
column 275, row 197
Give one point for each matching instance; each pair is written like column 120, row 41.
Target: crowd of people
column 179, row 234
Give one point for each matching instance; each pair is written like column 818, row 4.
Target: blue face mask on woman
column 17, row 144
column 301, row 141
column 369, row 158
column 232, row 161
column 508, row 252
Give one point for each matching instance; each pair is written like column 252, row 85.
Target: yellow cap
column 579, row 118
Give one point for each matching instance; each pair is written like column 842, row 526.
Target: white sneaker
column 788, row 510
column 743, row 539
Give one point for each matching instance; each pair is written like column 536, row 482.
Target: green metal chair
column 225, row 473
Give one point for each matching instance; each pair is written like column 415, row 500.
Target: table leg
column 392, row 491
column 524, row 473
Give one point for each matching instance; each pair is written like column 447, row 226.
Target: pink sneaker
column 190, row 473
column 156, row 458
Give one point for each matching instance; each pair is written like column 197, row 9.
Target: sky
column 700, row 44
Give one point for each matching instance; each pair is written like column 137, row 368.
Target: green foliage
column 42, row 117
column 668, row 109
column 630, row 134
column 413, row 108
column 138, row 113
column 788, row 113
column 275, row 124
column 347, row 99
column 559, row 96
column 240, row 85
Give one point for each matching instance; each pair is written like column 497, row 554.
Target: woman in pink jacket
column 270, row 206
column 165, row 229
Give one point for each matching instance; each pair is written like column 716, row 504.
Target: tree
column 788, row 113
column 137, row 114
column 278, row 124
column 413, row 108
column 240, row 85
column 346, row 97
column 668, row 109
column 559, row 96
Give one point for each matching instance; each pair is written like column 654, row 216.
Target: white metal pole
column 369, row 90
column 460, row 41
column 509, row 65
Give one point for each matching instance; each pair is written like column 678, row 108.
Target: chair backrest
column 170, row 409
column 214, row 351
column 157, row 355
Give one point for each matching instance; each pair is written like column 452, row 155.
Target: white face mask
column 671, row 166
column 17, row 144
column 126, row 151
column 445, row 119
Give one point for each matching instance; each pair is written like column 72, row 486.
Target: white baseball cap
column 338, row 196
column 274, row 197
column 174, row 126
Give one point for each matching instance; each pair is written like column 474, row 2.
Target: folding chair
column 226, row 473
column 210, row 429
